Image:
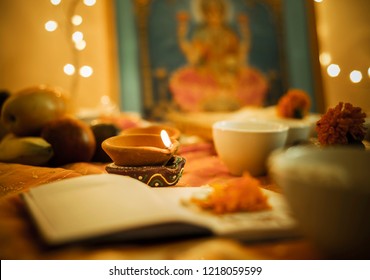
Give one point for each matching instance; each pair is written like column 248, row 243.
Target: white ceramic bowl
column 244, row 146
column 328, row 190
column 299, row 130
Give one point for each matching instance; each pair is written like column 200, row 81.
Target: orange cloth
column 202, row 167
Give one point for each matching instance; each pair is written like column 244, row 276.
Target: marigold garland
column 343, row 124
column 294, row 104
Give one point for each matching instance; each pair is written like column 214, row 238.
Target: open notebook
column 109, row 207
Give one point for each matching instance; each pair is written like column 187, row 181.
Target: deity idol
column 217, row 77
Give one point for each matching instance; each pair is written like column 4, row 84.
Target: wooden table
column 19, row 239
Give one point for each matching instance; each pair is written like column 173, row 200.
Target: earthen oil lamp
column 156, row 129
column 147, row 157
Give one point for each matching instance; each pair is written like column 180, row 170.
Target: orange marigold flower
column 237, row 195
column 294, row 104
column 182, row 16
column 343, row 124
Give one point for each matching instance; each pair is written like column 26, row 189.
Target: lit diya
column 172, row 132
column 147, row 157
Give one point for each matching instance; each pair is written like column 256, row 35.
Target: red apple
column 72, row 140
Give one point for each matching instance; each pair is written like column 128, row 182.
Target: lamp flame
column 166, row 139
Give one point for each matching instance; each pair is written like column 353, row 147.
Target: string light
column 76, row 20
column 76, row 40
column 86, row 71
column 333, row 70
column 355, row 76
column 55, row 2
column 89, row 3
column 51, row 25
column 80, row 45
column 325, row 58
column 69, row 69
column 77, row 36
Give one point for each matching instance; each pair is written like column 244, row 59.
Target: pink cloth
column 202, row 166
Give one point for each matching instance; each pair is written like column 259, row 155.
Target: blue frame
column 297, row 52
column 298, row 43
column 130, row 89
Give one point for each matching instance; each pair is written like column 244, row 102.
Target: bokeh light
column 55, row 2
column 86, row 71
column 76, row 20
column 51, row 25
column 69, row 69
column 325, row 58
column 89, row 2
column 77, row 36
column 333, row 70
column 80, row 45
column 355, row 76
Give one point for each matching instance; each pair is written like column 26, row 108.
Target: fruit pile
column 38, row 130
